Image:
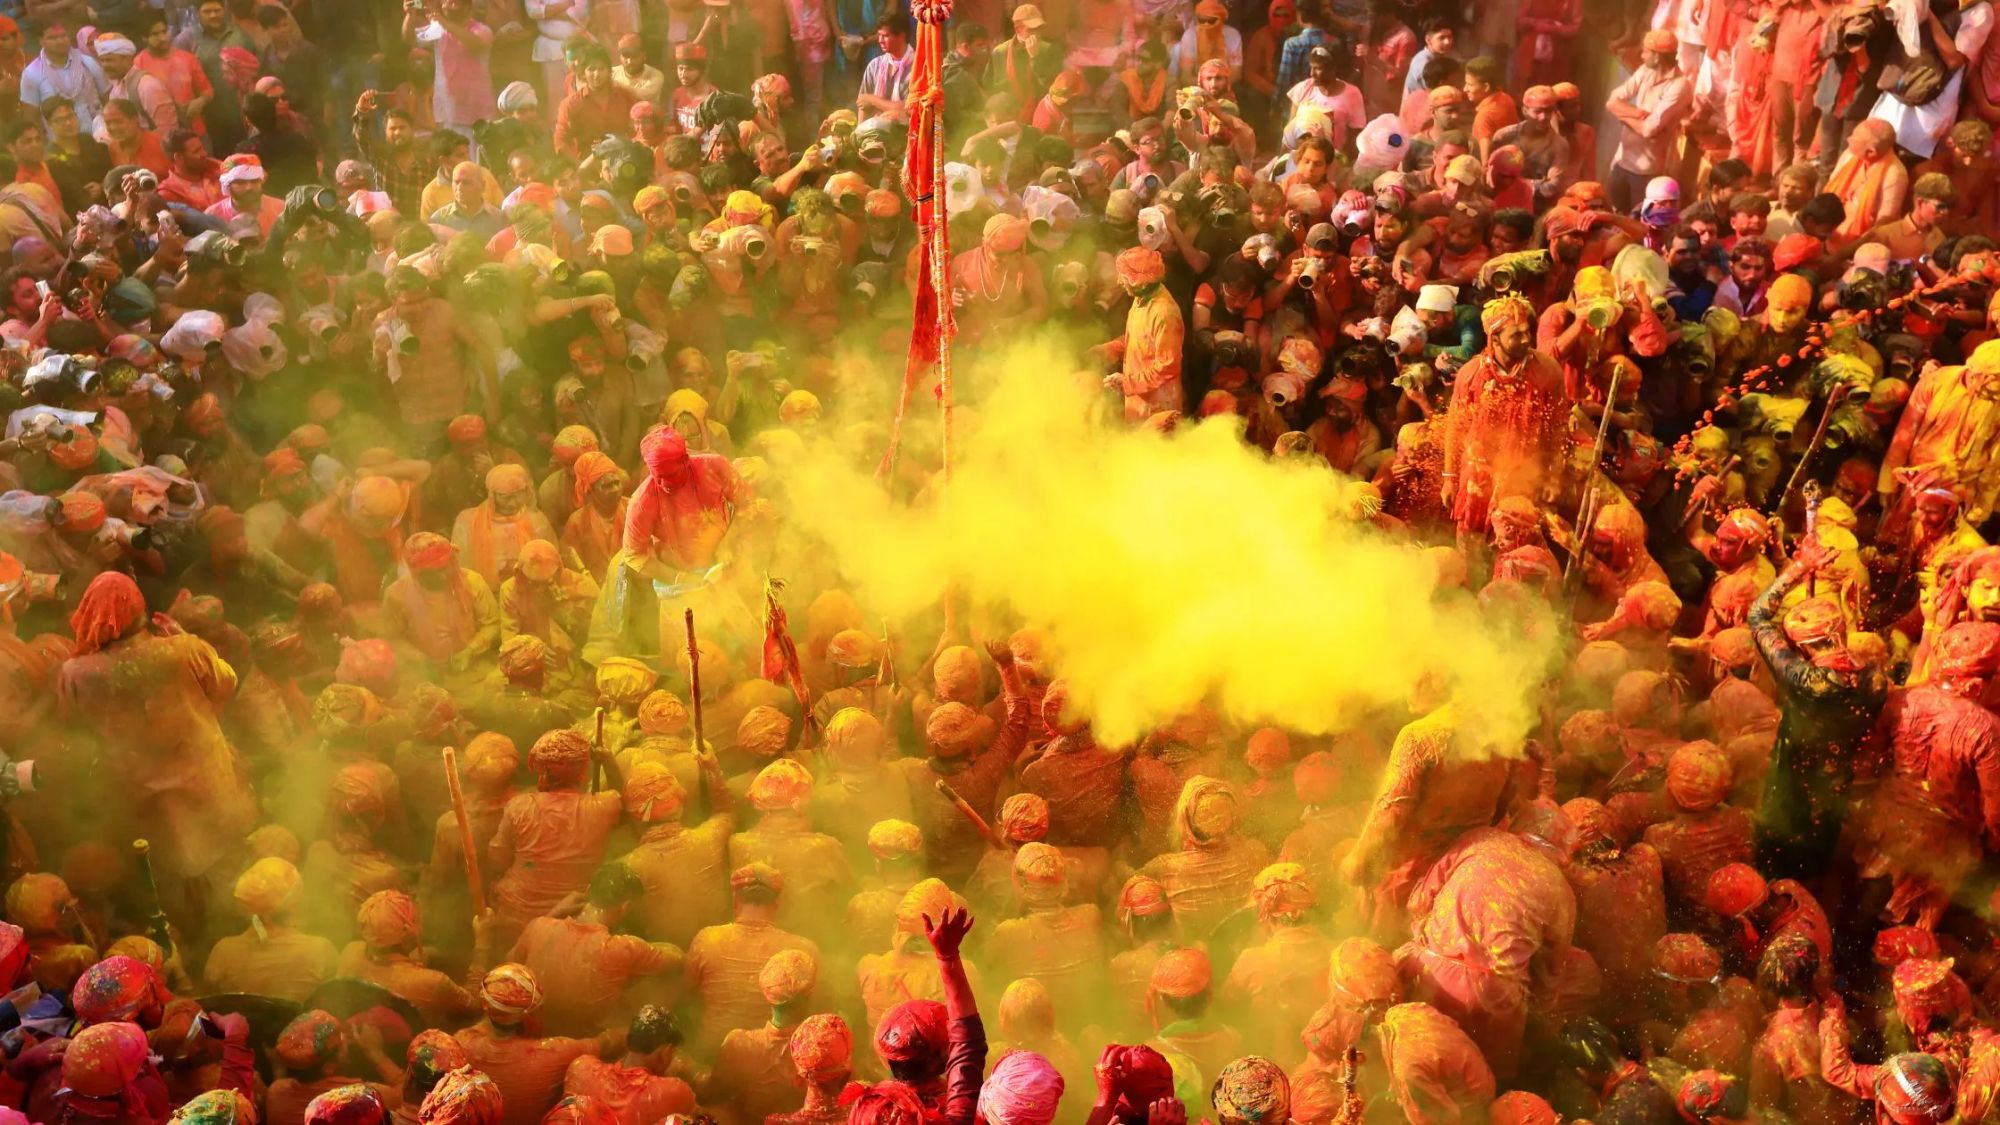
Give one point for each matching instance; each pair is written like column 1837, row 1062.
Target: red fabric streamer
column 933, row 328
column 781, row 656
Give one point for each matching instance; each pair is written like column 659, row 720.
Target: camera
column 400, row 336
column 1233, row 350
column 1601, row 313
column 16, row 778
column 1153, row 227
column 1188, row 100
column 1310, row 271
column 1262, row 249
column 321, row 322
column 869, row 280
column 748, row 241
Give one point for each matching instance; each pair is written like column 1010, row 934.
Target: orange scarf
column 1858, row 183
column 1141, row 103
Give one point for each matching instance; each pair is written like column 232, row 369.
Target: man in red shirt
column 192, row 174
column 596, row 108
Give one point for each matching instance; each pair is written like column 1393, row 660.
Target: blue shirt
column 1414, row 80
column 1296, row 54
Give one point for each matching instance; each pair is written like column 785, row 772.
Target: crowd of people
column 406, row 414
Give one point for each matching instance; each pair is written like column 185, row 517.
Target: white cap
column 1437, row 298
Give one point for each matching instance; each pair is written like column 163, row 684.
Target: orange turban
column 822, row 1046
column 782, row 786
column 1815, row 619
column 855, row 735
column 928, row 898
column 462, row 1097
column 510, row 993
column 387, row 920
column 1141, row 897
column 1024, row 817
column 1735, row 890
column 1698, row 776
column 1686, row 958
column 1004, row 234
column 788, row 975
column 957, row 674
column 1281, row 891
column 591, row 466
column 1363, row 973
column 560, row 757
column 427, row 550
column 117, row 989
column 955, row 730
column 1138, row 266
column 625, row 681
column 764, row 732
column 539, row 560
column 1316, row 779
column 523, row 656
column 103, row 1061
column 466, row 429
column 491, row 759
column 1502, row 311
column 111, row 607
column 1181, row 973
column 663, row 713
column 653, row 793
column 571, row 443
column 1038, row 866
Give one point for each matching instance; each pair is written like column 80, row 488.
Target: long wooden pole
column 694, row 684
column 473, row 881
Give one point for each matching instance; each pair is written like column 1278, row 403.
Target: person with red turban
column 441, row 609
column 935, row 1053
column 1149, row 354
column 108, row 1077
column 821, row 1053
column 552, row 840
column 1504, row 431
column 1621, row 905
column 1275, row 986
column 1705, row 834
column 1828, row 699
column 675, row 525
column 1060, row 945
column 183, row 787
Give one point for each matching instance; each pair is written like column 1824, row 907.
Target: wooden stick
column 156, row 918
column 596, row 745
column 473, row 882
column 968, row 812
column 694, row 684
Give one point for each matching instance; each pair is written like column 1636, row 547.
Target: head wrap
column 1360, row 972
column 1181, row 974
column 764, row 732
column 355, row 1104
column 1037, row 867
column 427, row 550
column 466, row 429
column 1141, row 1076
column 560, row 757
column 652, row 793
column 1138, row 266
column 591, row 466
column 111, row 607
column 312, row 1039
column 510, row 994
column 1004, row 234
column 1282, row 891
column 387, row 920
column 784, row 785
column 1969, row 649
column 1735, row 890
column 103, row 1061
column 1686, row 958
column 1916, row 1086
column 1024, row 818
column 345, row 710
column 462, row 1097
column 955, row 730
column 269, row 889
column 665, row 453
column 822, row 1046
column 1207, row 811
column 117, row 989
column 1898, row 944
column 517, row 96
column 1815, row 619
column 913, row 1032
column 892, row 839
column 539, row 561
column 523, row 657
column 216, row 1107
column 1927, row 989
column 1254, row 1091
column 929, row 898
column 1027, row 1011
column 1022, row 1090
column 1141, row 897
column 625, row 681
column 1698, row 776
column 756, row 876
column 788, row 975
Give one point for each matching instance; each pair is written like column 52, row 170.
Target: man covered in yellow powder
column 444, row 611
column 270, row 957
column 907, row 971
column 584, row 964
column 724, row 962
column 685, row 867
column 1948, row 430
column 1275, row 985
column 549, row 601
column 527, row 1067
column 1208, row 874
column 1149, row 354
column 752, row 1078
column 813, row 864
column 552, row 840
column 1437, row 785
column 489, row 535
column 1504, row 430
column 1061, row 946
column 390, row 953
column 855, row 787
